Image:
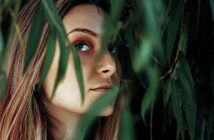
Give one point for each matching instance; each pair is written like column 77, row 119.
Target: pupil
column 82, row 46
column 112, row 49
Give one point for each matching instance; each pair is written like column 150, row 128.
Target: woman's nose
column 106, row 65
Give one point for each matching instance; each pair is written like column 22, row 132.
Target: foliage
column 169, row 44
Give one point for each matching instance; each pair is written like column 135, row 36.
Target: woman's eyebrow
column 84, row 30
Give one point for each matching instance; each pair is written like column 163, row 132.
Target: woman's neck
column 69, row 122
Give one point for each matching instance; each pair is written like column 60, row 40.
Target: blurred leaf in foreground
column 48, row 56
column 34, row 37
column 55, row 20
column 91, row 115
column 127, row 127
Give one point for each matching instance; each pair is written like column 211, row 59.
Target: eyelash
column 111, row 48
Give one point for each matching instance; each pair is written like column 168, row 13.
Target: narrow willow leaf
column 55, row 20
column 63, row 62
column 133, row 50
column 34, row 37
column 78, row 71
column 111, row 25
column 142, row 57
column 52, row 15
column 177, row 108
column 184, row 88
column 169, row 90
column 154, row 18
column 172, row 29
column 188, row 95
column 2, row 74
column 150, row 34
column 183, row 41
column 187, row 85
column 3, row 83
column 161, row 14
column 152, row 28
column 87, row 120
column 127, row 127
column 149, row 97
column 48, row 56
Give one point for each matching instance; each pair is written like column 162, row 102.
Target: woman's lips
column 102, row 88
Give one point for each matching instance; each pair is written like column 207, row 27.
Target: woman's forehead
column 85, row 16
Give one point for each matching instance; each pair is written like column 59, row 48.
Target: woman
column 29, row 114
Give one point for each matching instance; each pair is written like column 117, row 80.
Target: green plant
column 169, row 43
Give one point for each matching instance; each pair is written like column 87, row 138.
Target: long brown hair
column 24, row 113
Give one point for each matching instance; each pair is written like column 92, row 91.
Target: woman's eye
column 82, row 46
column 112, row 47
column 112, row 50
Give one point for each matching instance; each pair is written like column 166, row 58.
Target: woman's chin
column 106, row 112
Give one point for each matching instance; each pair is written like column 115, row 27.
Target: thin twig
column 173, row 64
column 174, row 61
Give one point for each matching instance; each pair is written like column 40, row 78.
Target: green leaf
column 55, row 21
column 152, row 29
column 127, row 126
column 177, row 104
column 168, row 92
column 142, row 57
column 150, row 95
column 52, row 15
column 78, row 71
column 34, row 37
column 111, row 25
column 3, row 84
column 172, row 29
column 187, row 85
column 183, row 100
column 152, row 17
column 48, row 56
column 63, row 62
column 98, row 106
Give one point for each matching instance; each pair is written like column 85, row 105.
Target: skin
column 84, row 27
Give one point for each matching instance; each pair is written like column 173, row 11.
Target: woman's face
column 84, row 27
